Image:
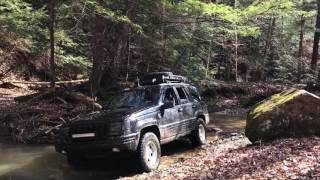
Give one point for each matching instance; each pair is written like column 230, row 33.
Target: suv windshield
column 134, row 98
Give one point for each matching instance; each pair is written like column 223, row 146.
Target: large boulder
column 293, row 113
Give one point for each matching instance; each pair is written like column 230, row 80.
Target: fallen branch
column 25, row 98
column 48, row 122
column 53, row 128
column 47, row 83
column 8, row 85
column 35, row 96
column 62, row 100
column 84, row 99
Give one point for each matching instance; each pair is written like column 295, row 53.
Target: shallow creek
column 21, row 162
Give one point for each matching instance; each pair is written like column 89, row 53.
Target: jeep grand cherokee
column 162, row 110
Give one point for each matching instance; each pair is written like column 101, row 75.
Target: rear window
column 194, row 93
column 182, row 94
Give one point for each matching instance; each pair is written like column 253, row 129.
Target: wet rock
column 214, row 130
column 292, row 113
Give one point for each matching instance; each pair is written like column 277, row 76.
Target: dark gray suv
column 139, row 119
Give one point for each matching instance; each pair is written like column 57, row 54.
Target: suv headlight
column 129, row 122
column 116, row 128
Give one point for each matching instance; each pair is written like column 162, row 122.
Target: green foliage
column 18, row 17
column 190, row 37
column 111, row 15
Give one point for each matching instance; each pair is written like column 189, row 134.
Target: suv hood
column 111, row 115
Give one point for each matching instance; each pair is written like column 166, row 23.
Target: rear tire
column 149, row 152
column 198, row 136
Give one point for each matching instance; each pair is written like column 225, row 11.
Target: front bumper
column 127, row 142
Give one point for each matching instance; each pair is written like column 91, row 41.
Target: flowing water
column 20, row 162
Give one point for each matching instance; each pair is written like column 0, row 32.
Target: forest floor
column 7, row 96
column 234, row 157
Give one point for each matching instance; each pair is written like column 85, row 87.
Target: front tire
column 75, row 159
column 149, row 152
column 198, row 136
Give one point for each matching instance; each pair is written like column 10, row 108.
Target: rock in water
column 293, row 113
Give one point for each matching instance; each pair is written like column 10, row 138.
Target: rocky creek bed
column 234, row 158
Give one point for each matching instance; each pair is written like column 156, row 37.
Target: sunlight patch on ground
column 5, row 168
column 15, row 159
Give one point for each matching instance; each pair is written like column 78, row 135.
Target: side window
column 182, row 95
column 170, row 96
column 194, row 93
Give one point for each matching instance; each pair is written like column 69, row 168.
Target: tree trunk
column 316, row 41
column 208, row 59
column 163, row 35
column 236, row 45
column 122, row 42
column 51, row 33
column 269, row 38
column 268, row 45
column 227, row 51
column 236, row 56
column 300, row 52
column 98, row 56
column 99, row 70
column 128, row 57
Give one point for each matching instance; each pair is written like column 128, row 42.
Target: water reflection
column 227, row 122
column 29, row 162
column 44, row 163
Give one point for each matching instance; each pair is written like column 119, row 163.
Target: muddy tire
column 149, row 152
column 198, row 136
column 74, row 159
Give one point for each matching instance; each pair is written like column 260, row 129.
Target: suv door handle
column 180, row 109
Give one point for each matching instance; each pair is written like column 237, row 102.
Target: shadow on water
column 26, row 163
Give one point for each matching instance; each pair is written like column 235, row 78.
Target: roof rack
column 174, row 79
column 161, row 77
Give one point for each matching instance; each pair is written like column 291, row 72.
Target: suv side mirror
column 168, row 104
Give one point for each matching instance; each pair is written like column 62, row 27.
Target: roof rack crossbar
column 174, row 79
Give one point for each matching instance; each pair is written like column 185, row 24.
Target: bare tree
column 99, row 68
column 51, row 8
column 98, row 55
column 300, row 51
column 122, row 42
column 316, row 41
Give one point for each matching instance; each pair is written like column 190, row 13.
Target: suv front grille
column 100, row 130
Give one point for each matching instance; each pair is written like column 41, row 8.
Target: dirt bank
column 33, row 116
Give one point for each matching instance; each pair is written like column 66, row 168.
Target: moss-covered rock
column 292, row 113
